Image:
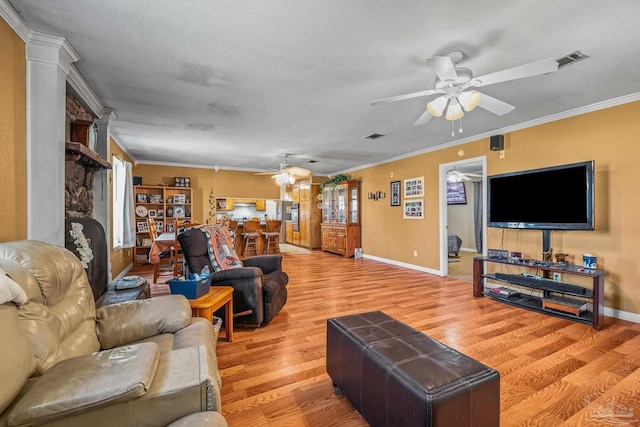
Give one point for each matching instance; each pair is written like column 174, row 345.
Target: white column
column 101, row 199
column 48, row 61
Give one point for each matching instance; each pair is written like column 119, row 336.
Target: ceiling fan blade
column 298, row 171
column 495, row 106
column 403, row 97
column 443, row 67
column 519, row 72
column 424, row 118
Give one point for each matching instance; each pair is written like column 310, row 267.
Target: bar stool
column 272, row 237
column 251, row 234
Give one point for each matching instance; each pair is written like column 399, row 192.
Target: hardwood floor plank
column 553, row 371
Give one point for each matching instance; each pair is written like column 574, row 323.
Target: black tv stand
column 549, row 288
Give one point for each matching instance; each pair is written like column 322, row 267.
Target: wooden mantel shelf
column 84, row 154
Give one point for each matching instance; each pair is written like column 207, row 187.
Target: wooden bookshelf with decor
column 167, row 205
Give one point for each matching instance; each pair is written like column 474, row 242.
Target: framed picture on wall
column 395, row 193
column 413, row 209
column 143, row 226
column 414, row 187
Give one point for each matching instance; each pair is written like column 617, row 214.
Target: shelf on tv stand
column 595, row 294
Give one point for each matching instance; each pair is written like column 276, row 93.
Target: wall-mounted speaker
column 497, row 143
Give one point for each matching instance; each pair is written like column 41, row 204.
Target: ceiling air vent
column 374, row 136
column 570, row 58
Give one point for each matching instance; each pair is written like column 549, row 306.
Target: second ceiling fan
column 455, row 86
column 288, row 173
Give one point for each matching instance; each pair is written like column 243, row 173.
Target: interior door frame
column 444, row 167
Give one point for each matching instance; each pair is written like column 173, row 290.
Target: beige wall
column 204, row 181
column 610, row 137
column 13, row 209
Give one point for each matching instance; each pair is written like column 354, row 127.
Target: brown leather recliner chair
column 259, row 285
column 145, row 362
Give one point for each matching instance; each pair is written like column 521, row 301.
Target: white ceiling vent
column 570, row 58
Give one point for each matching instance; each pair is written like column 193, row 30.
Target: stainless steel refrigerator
column 283, row 213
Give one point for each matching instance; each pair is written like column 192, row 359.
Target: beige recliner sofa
column 62, row 363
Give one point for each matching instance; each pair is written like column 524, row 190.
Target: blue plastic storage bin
column 190, row 288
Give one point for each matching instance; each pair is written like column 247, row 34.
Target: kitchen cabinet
column 288, row 227
column 225, row 204
column 307, row 195
column 341, row 218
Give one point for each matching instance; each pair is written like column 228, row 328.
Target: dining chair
column 178, row 258
column 153, row 234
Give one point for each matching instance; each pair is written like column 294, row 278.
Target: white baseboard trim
column 622, row 315
column 123, row 272
column 403, row 264
column 609, row 312
column 469, row 249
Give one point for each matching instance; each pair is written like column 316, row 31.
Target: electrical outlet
column 391, row 175
column 556, row 277
column 502, row 154
column 415, row 252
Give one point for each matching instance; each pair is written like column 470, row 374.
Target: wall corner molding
column 11, row 17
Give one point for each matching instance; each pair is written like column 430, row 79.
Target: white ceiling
column 238, row 83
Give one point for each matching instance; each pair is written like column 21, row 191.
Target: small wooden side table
column 208, row 303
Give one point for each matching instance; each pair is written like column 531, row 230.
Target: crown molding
column 84, row 91
column 116, row 138
column 11, row 17
column 614, row 102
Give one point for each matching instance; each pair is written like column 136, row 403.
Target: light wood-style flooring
column 553, row 371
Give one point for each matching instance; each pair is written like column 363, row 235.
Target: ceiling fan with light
column 454, row 175
column 455, row 86
column 288, row 173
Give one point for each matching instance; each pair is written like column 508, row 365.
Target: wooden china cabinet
column 341, row 218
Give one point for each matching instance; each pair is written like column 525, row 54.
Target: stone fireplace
column 81, row 163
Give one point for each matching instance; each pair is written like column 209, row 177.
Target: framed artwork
column 413, row 209
column 159, row 226
column 414, row 187
column 395, row 193
column 179, row 198
column 143, row 226
column 170, row 227
column 141, row 198
column 152, row 213
column 159, row 213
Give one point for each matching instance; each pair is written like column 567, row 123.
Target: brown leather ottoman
column 395, row 375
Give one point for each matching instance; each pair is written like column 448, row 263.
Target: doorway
column 459, row 240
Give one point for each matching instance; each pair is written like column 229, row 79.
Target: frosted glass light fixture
column 454, row 110
column 437, row 106
column 469, row 100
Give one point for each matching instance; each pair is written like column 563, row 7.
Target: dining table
column 163, row 243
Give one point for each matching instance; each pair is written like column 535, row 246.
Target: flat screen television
column 456, row 194
column 552, row 198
